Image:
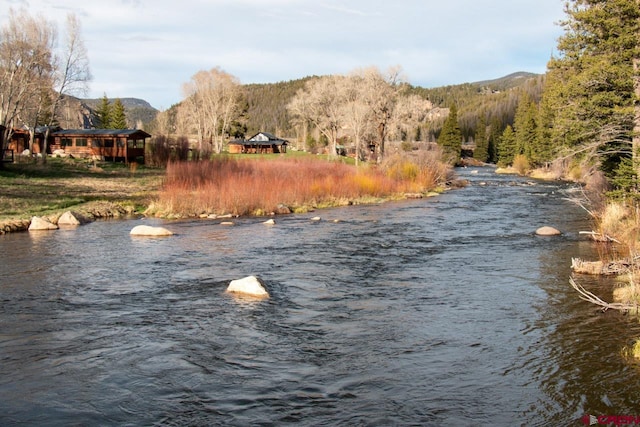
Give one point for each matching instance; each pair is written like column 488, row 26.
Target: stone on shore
column 71, row 218
column 38, row 224
column 147, row 230
column 249, row 285
column 548, row 231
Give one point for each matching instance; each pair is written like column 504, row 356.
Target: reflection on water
column 438, row 311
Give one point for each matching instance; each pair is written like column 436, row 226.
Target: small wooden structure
column 19, row 140
column 260, row 143
column 110, row 144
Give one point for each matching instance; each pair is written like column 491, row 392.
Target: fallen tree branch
column 599, row 237
column 594, row 299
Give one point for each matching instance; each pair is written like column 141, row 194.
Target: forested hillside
column 497, row 99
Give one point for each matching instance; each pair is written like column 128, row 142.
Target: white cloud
column 148, row 49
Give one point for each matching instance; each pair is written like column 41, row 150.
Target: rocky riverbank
column 89, row 212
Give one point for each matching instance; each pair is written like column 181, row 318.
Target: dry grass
column 232, row 185
column 28, row 189
column 622, row 222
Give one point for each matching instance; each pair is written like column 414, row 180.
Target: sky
column 149, row 48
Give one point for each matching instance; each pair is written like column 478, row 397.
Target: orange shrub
column 246, row 186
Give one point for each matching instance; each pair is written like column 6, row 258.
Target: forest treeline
column 265, row 104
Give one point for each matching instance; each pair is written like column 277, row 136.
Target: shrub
column 244, row 186
column 521, row 164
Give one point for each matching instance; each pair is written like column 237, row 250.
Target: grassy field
column 28, row 189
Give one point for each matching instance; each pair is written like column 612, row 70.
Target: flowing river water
column 439, row 311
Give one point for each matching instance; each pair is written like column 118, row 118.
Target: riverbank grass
column 34, row 189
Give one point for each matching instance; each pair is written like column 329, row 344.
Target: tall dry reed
column 249, row 186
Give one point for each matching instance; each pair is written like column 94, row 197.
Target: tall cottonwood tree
column 71, row 72
column 592, row 90
column 356, row 110
column 321, row 103
column 25, row 68
column 212, row 102
column 382, row 92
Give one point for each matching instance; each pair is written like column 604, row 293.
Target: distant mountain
column 507, row 82
column 137, row 110
column 127, row 102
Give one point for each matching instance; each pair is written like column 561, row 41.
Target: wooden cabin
column 126, row 145
column 260, row 143
column 19, row 140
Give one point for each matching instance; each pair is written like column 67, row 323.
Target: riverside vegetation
column 226, row 184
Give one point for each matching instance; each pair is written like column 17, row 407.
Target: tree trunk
column 635, row 141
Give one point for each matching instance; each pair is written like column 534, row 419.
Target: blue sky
column 149, row 48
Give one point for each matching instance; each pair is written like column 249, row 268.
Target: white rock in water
column 315, row 218
column 249, row 285
column 147, row 230
column 269, row 222
column 38, row 224
column 548, row 231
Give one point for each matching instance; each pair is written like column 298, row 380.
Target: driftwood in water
column 599, row 237
column 592, row 298
column 600, row 267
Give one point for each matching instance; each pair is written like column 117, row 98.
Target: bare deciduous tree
column 25, row 67
column 321, row 103
column 71, row 72
column 211, row 101
column 357, row 113
column 381, row 97
column 33, row 79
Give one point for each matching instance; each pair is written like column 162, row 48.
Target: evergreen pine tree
column 481, row 153
column 507, row 147
column 450, row 138
column 118, row 116
column 493, row 139
column 104, row 113
column 525, row 127
column 592, row 88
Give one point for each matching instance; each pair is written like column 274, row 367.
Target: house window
column 66, row 142
column 81, row 142
column 135, row 143
column 108, row 143
column 96, row 143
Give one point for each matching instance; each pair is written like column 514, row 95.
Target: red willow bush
column 253, row 187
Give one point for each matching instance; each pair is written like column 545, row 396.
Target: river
column 439, row 311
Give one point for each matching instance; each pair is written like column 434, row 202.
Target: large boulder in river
column 38, row 224
column 147, row 230
column 250, row 285
column 548, row 231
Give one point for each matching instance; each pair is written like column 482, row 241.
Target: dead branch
column 592, row 298
column 599, row 237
